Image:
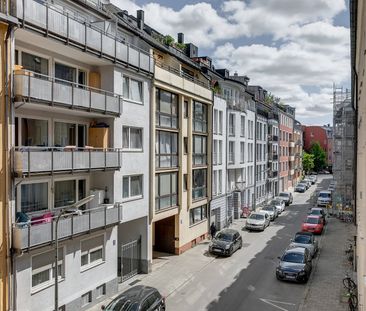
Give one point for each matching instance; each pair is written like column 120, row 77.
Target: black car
column 226, row 242
column 295, row 265
column 137, row 298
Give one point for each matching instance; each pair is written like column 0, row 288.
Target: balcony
column 41, row 160
column 291, row 144
column 180, row 79
column 272, row 157
column 40, row 232
column 273, row 138
column 291, row 172
column 34, row 87
column 291, row 158
column 76, row 31
column 272, row 174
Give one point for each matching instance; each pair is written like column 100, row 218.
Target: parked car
column 304, row 183
column 225, row 242
column 318, row 211
column 137, row 298
column 308, row 181
column 300, row 188
column 257, row 221
column 287, row 197
column 295, row 265
column 306, row 240
column 279, row 203
column 313, row 178
column 331, row 187
column 314, row 224
column 324, row 198
column 271, row 210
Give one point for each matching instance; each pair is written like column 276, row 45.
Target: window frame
column 171, row 194
column 199, row 159
column 95, row 263
column 129, row 138
column 135, row 197
column 173, row 157
column 199, row 188
column 203, row 120
column 203, row 211
column 129, row 99
column 170, row 115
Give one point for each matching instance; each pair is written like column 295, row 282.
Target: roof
column 301, row 250
column 304, row 233
column 325, row 191
column 229, row 231
column 314, row 216
column 138, row 292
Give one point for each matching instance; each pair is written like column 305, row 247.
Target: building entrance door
column 130, row 259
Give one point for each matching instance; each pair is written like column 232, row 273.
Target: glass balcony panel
column 76, row 31
column 57, row 23
column 93, row 38
column 133, row 57
column 108, row 45
column 121, row 51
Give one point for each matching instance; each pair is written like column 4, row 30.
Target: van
column 324, row 198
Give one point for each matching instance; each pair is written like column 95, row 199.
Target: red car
column 314, row 224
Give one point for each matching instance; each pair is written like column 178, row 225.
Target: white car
column 257, row 221
column 279, row 203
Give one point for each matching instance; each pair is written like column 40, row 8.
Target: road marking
column 272, row 303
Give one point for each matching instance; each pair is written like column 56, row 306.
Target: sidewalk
column 170, row 272
column 325, row 288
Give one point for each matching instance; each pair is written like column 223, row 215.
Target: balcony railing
column 34, row 87
column 77, row 32
column 36, row 160
column 39, row 232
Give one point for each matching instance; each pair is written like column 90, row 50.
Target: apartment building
column 218, row 206
column 298, row 139
column 81, row 127
column 273, row 151
column 287, row 158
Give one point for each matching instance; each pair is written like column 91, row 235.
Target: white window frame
column 98, row 262
column 130, row 198
column 129, row 90
column 49, row 267
column 72, row 65
column 129, row 139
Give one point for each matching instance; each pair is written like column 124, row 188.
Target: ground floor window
column 197, row 214
column 92, row 252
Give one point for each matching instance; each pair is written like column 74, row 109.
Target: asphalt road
column 246, row 281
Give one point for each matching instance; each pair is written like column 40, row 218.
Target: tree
column 319, row 156
column 307, row 162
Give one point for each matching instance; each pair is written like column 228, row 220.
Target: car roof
column 256, row 213
column 282, row 193
column 316, row 209
column 300, row 250
column 228, row 231
column 314, row 216
column 325, row 191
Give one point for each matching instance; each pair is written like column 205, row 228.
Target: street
column 246, row 281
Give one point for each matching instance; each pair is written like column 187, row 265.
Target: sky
column 295, row 49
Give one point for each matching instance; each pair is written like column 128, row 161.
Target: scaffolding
column 343, row 147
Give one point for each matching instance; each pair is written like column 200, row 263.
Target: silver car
column 257, row 221
column 271, row 210
column 306, row 240
column 279, row 203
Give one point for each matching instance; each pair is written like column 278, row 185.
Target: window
column 34, row 132
column 65, row 73
column 220, row 152
column 231, row 124
column 242, row 126
column 199, row 117
column 215, row 121
column 185, row 141
column 35, row 63
column 231, row 152
column 242, row 152
column 34, row 197
column 214, row 153
column 199, row 183
column 185, row 182
column 219, row 191
column 166, row 149
column 43, row 269
column 65, row 193
column 186, row 113
column 214, row 183
column 132, row 89
column 197, row 214
column 166, row 109
column 220, row 121
column 64, row 134
column 86, row 299
column 132, row 186
column 199, row 150
column 100, row 291
column 92, row 252
column 132, row 138
column 166, row 190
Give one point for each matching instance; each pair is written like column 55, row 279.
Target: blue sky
column 295, row 49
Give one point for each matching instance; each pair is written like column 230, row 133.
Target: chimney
column 140, row 19
column 181, row 37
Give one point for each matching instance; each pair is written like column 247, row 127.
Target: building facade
column 273, row 151
column 81, row 127
column 298, row 136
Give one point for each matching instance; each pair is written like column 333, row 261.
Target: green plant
column 307, row 162
column 180, row 46
column 216, row 89
column 319, row 156
column 168, row 40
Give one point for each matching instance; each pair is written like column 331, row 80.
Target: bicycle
column 351, row 287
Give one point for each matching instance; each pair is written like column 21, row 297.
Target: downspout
column 255, row 159
column 356, row 143
column 226, row 159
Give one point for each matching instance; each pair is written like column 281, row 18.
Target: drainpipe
column 356, row 144
column 226, row 159
column 255, row 159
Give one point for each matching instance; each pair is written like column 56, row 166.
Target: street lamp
column 72, row 208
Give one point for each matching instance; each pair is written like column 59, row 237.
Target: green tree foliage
column 307, row 162
column 319, row 156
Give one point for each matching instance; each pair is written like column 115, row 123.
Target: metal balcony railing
column 34, row 87
column 36, row 160
column 27, row 235
column 76, row 31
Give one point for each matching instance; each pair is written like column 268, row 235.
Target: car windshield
column 267, row 208
column 256, row 216
column 122, row 304
column 293, row 257
column 312, row 220
column 316, row 212
column 302, row 239
column 283, row 194
column 224, row 236
column 277, row 202
column 324, row 195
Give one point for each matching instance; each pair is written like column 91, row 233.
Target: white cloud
column 307, row 51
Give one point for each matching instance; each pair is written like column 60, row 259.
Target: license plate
column 217, row 250
column 290, row 277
